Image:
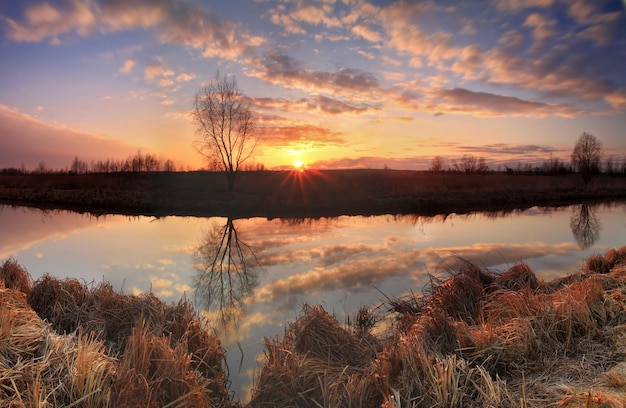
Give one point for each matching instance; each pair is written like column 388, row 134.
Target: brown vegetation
column 302, row 194
column 63, row 344
column 478, row 339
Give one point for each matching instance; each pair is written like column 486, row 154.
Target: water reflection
column 343, row 263
column 226, row 273
column 585, row 226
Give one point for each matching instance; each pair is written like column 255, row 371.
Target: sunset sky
column 334, row 83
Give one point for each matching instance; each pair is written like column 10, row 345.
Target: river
column 278, row 265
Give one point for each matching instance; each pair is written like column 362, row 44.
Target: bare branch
column 226, row 132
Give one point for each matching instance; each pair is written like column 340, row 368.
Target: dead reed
column 14, row 276
column 99, row 348
column 318, row 362
column 477, row 339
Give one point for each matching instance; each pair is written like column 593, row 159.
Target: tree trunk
column 230, row 175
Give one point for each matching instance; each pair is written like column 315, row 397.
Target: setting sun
column 298, row 164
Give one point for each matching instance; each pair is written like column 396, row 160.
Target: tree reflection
column 585, row 226
column 226, row 273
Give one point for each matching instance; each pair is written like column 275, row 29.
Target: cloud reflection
column 357, row 268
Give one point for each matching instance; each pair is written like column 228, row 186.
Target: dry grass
column 318, row 363
column 99, row 348
column 478, row 339
column 14, row 276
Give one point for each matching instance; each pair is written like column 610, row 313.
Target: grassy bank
column 302, row 194
column 476, row 339
column 65, row 345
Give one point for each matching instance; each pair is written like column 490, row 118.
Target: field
column 308, row 193
column 476, row 339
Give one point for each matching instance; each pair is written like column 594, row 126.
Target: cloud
column 184, row 77
column 340, row 107
column 561, row 77
column 302, row 13
column 445, row 65
column 561, row 73
column 300, row 135
column 542, row 28
column 175, row 22
column 155, row 69
column 128, row 66
column 313, row 15
column 518, row 5
column 45, row 21
column 367, row 32
column 315, row 104
column 506, row 149
column 280, row 69
column 461, row 100
column 27, row 140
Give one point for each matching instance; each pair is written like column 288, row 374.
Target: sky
column 332, row 83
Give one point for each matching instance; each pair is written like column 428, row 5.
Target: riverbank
column 477, row 339
column 310, row 193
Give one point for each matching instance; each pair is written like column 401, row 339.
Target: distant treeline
column 133, row 164
column 552, row 166
column 466, row 164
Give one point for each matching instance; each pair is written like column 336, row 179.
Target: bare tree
column 586, row 155
column 438, row 164
column 226, row 129
column 471, row 164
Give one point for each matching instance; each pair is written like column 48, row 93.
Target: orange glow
column 298, row 164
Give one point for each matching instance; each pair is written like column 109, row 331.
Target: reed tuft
column 477, row 339
column 14, row 276
column 99, row 348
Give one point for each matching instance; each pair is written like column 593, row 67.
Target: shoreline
column 308, row 194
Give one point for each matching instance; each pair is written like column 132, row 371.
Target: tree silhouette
column 226, row 272
column 585, row 226
column 226, row 134
column 586, row 155
column 437, row 164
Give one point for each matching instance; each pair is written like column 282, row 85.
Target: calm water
column 278, row 265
